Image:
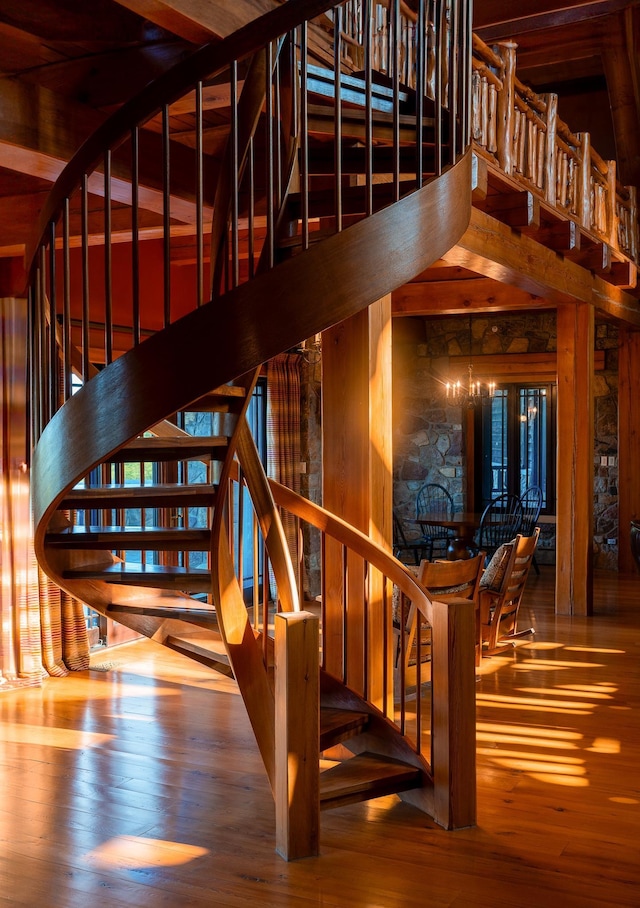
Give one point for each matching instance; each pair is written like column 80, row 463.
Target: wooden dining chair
column 433, row 499
column 444, row 581
column 531, row 501
column 500, row 521
column 501, row 589
column 404, row 548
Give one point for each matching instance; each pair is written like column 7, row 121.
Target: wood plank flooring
column 142, row 786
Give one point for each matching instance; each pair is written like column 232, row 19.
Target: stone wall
column 605, row 516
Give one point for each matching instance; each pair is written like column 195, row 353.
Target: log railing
column 522, row 133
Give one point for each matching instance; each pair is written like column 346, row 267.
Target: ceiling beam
column 457, row 297
column 622, row 72
column 199, row 21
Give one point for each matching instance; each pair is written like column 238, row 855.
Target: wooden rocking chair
column 444, row 581
column 500, row 597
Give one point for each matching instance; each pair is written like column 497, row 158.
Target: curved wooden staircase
column 338, row 182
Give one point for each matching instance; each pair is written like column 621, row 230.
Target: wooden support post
column 628, row 443
column 574, row 538
column 506, row 106
column 297, row 722
column 357, row 486
column 453, row 721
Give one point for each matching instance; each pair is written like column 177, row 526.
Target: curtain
column 42, row 629
column 283, row 433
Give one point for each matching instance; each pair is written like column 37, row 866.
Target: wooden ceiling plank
column 622, row 70
column 199, row 21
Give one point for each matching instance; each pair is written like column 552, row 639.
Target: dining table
column 464, row 525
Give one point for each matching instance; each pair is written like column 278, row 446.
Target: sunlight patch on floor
column 129, row 852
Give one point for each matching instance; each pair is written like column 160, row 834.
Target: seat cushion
column 494, row 572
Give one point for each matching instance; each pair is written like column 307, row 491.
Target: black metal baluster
column 108, row 263
column 135, row 240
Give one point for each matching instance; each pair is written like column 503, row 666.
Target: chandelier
column 473, row 390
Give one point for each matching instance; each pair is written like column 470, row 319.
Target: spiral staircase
column 339, row 180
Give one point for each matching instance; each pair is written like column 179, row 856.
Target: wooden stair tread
column 179, row 447
column 321, row 81
column 354, row 160
column 202, row 647
column 200, row 612
column 153, row 575
column 338, row 725
column 322, row 204
column 363, row 777
column 114, row 496
column 221, row 399
column 130, row 538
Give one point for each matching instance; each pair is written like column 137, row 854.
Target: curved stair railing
column 330, row 187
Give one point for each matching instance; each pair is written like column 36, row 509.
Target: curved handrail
column 356, row 541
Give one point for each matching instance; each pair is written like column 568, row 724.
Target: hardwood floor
column 141, row 786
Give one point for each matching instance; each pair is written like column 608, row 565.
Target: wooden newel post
column 506, row 105
column 453, row 636
column 550, row 149
column 297, row 733
column 584, row 180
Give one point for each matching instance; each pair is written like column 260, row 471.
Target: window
column 515, row 431
column 204, row 423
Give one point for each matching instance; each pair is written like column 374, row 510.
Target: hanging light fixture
column 472, row 390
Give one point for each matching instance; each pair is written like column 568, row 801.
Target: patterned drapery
column 42, row 629
column 283, row 433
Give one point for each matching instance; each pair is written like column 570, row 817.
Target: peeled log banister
column 539, row 155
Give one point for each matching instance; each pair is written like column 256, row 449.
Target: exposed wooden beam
column 457, row 297
column 494, row 250
column 622, row 71
column 199, row 21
